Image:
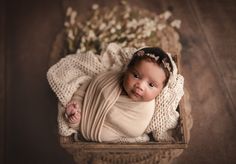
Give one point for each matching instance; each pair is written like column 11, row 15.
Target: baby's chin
column 136, row 98
column 139, row 99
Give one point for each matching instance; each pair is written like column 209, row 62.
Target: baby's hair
column 155, row 55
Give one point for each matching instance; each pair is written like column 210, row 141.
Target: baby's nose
column 140, row 85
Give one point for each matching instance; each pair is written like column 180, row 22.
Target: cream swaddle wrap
column 127, row 119
column 66, row 76
column 107, row 116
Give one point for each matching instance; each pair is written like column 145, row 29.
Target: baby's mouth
column 136, row 93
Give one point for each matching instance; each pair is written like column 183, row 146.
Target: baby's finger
column 77, row 106
column 76, row 116
column 73, row 119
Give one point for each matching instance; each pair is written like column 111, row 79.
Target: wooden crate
column 151, row 152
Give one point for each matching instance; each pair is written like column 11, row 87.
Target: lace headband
column 165, row 63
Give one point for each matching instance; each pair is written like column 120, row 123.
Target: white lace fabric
column 66, row 76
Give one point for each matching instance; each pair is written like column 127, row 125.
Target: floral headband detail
column 165, row 63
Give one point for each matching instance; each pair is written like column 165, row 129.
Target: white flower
column 124, row 44
column 123, row 2
column 127, row 25
column 139, row 36
column 102, row 36
column 106, row 40
column 142, row 44
column 126, row 16
column 83, row 40
column 123, row 35
column 69, row 11
column 72, row 17
column 83, row 49
column 118, row 26
column 132, row 24
column 91, row 35
column 78, row 51
column 161, row 26
column 88, row 23
column 113, row 37
column 146, row 33
column 66, row 24
column 176, row 23
column 141, row 21
column 167, row 15
column 70, row 34
column 95, row 6
column 102, row 26
column 131, row 36
column 150, row 25
column 112, row 22
column 113, row 30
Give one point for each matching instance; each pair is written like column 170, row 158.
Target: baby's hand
column 73, row 112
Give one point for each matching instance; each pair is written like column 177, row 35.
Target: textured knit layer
column 66, row 76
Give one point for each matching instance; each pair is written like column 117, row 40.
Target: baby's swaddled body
column 126, row 118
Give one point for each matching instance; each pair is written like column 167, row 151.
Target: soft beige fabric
column 127, row 119
column 100, row 96
column 104, row 111
column 66, row 76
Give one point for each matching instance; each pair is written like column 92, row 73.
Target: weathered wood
column 2, row 80
column 31, row 135
column 218, row 26
column 208, row 95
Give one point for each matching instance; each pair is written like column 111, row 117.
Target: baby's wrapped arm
column 66, row 76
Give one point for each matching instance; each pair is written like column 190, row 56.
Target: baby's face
column 144, row 81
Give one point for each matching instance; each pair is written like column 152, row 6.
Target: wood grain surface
column 2, row 81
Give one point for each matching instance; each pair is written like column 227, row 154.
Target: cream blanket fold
column 100, row 96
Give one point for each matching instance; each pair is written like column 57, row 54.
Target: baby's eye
column 151, row 85
column 135, row 75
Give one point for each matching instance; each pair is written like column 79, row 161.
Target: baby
column 142, row 81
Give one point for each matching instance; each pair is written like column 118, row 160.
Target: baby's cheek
column 157, row 92
column 127, row 83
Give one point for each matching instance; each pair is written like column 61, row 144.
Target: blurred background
column 28, row 112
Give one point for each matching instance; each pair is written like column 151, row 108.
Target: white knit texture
column 70, row 72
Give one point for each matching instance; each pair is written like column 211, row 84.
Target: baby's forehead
column 149, row 69
column 147, row 61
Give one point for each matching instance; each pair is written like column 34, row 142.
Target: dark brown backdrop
column 28, row 107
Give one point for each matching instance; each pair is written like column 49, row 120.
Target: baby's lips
column 137, row 93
